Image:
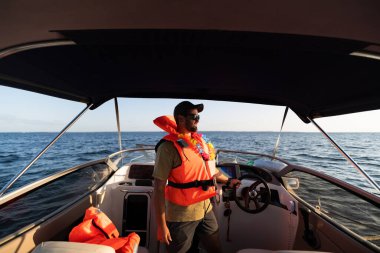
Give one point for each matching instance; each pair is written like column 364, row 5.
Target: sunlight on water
column 307, row 149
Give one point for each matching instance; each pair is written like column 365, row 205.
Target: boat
column 316, row 58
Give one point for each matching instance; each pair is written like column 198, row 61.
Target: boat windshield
column 246, row 158
column 143, row 154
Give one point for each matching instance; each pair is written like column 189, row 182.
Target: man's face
column 191, row 120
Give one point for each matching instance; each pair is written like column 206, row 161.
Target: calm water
column 308, row 149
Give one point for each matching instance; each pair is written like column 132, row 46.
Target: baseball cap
column 185, row 106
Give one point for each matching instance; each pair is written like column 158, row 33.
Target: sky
column 23, row 111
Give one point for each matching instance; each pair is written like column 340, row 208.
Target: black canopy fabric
column 314, row 76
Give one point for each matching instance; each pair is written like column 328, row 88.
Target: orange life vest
column 97, row 228
column 192, row 181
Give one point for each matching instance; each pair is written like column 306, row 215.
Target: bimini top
column 320, row 58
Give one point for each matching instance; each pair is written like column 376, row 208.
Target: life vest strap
column 197, row 183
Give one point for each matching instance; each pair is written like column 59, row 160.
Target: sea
column 311, row 150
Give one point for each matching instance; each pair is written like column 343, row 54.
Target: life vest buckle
column 203, row 183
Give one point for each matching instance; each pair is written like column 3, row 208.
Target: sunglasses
column 195, row 117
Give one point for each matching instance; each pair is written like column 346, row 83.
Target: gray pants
column 182, row 234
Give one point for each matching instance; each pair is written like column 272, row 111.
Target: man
column 187, row 162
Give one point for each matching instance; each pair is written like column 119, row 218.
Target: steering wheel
column 255, row 198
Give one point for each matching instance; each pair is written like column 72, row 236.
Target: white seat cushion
column 69, row 247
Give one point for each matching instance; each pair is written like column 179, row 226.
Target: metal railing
column 356, row 166
column 21, row 172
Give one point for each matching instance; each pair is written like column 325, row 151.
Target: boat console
column 141, row 174
column 131, row 208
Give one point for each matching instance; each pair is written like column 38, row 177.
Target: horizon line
column 228, row 131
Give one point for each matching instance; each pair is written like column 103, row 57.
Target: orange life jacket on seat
column 97, row 228
column 192, row 181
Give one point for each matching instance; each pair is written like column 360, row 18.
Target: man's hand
column 230, row 182
column 163, row 235
column 234, row 183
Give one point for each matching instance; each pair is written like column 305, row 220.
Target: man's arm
column 159, row 202
column 166, row 158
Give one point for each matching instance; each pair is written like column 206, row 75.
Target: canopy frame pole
column 118, row 127
column 356, row 166
column 21, row 172
column 279, row 134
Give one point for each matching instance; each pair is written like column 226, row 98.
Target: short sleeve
column 167, row 157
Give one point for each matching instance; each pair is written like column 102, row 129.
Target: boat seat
column 77, row 247
column 277, row 251
column 68, row 247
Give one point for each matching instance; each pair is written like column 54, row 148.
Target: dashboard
column 239, row 170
